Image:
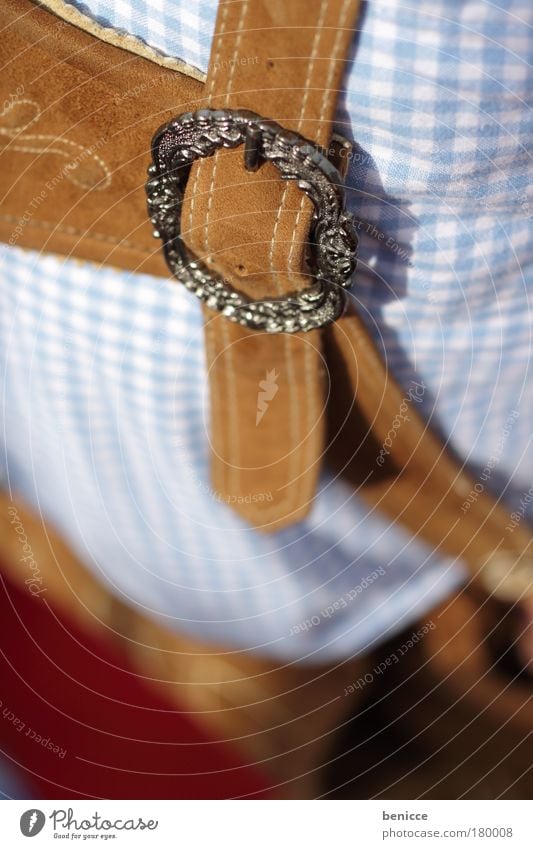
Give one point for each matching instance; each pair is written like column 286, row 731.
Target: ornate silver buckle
column 192, row 135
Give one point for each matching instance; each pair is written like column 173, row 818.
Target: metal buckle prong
column 340, row 153
column 252, row 148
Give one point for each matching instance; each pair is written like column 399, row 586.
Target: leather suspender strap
column 380, row 443
column 284, row 61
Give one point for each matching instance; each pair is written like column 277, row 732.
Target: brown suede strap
column 381, row 444
column 284, row 61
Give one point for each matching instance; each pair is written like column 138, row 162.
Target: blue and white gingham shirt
column 103, row 375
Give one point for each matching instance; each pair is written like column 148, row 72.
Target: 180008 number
column 494, row 832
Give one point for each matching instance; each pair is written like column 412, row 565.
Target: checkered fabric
column 103, row 375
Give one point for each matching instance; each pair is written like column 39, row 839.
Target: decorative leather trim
column 131, row 43
column 76, row 124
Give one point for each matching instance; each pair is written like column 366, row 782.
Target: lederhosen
column 251, row 219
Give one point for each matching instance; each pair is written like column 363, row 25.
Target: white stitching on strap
column 316, row 41
column 295, row 415
column 331, row 71
column 231, row 432
column 210, row 193
column 201, row 164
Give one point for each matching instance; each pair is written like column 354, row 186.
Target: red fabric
column 121, row 739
